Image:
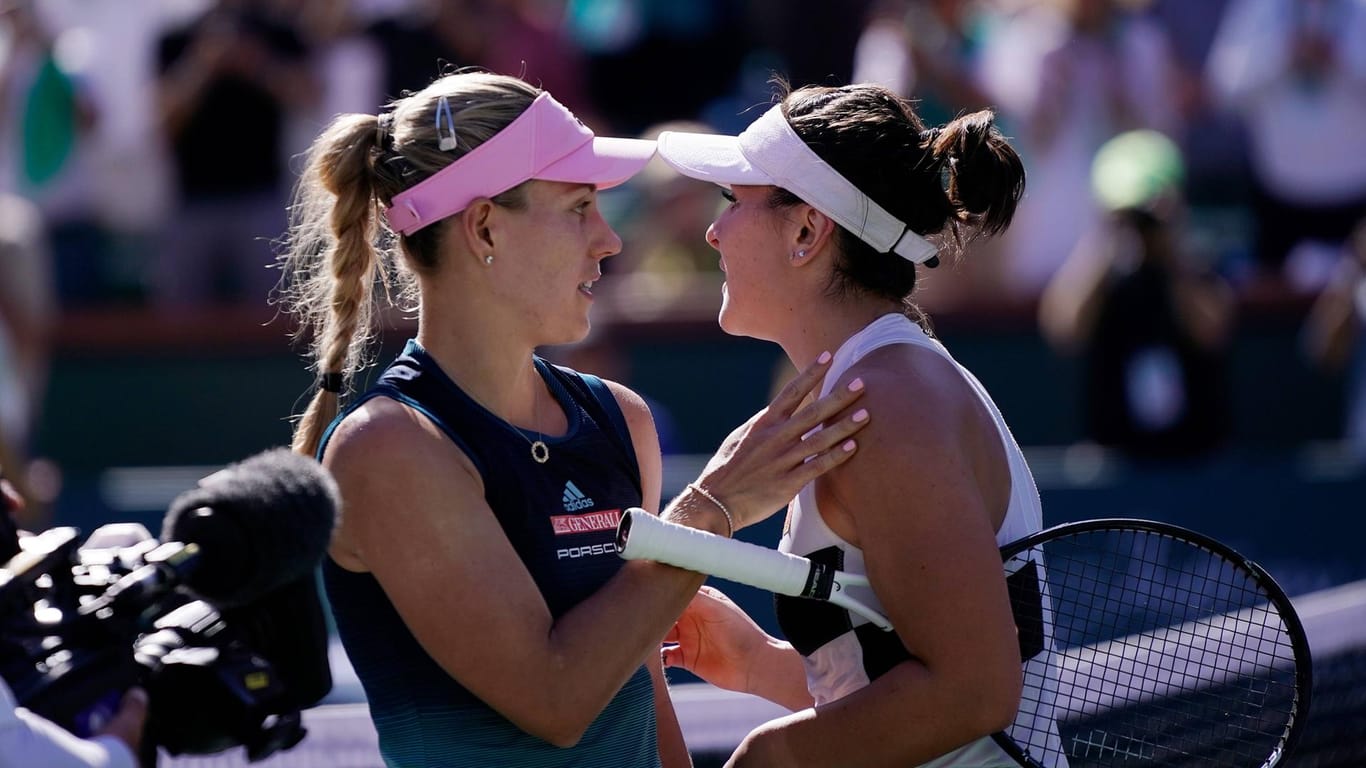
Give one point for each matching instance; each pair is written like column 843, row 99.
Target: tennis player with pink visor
column 474, row 578
column 546, row 142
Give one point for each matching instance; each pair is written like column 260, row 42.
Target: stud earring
column 488, row 259
column 799, row 255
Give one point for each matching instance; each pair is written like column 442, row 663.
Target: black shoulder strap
column 409, row 381
column 604, row 408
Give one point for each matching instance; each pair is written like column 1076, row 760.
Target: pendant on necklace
column 540, row 452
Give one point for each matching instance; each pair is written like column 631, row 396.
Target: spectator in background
column 27, row 312
column 1295, row 70
column 228, row 82
column 662, row 257
column 347, row 64
column 533, row 43
column 1334, row 334
column 1211, row 139
column 647, row 61
column 1070, row 75
column 422, row 40
column 931, row 51
column 27, row 315
column 419, row 41
column 1150, row 322
column 813, row 40
column 46, row 118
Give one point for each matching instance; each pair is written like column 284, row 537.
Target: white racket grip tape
column 643, row 536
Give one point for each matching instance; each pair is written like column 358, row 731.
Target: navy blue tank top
column 561, row 519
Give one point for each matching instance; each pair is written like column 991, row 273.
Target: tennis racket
column 1143, row 643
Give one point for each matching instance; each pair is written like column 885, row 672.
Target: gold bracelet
column 730, row 521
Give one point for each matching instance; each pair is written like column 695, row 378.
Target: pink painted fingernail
column 848, row 446
column 861, row 415
column 856, row 385
column 824, row 358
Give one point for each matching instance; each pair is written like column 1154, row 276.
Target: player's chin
column 729, row 318
column 573, row 328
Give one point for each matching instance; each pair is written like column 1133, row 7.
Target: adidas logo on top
column 574, row 499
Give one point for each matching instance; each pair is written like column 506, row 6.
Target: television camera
column 220, row 619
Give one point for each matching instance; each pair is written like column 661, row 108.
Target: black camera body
column 80, row 624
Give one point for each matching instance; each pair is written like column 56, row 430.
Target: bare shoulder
column 639, row 420
column 633, row 406
column 384, row 432
column 645, row 437
column 913, row 391
column 393, row 466
column 920, row 443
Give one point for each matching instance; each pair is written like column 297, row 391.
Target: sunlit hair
column 341, row 264
column 953, row 181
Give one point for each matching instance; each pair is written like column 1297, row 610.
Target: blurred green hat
column 1135, row 169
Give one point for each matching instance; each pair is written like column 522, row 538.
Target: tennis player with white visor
column 837, row 197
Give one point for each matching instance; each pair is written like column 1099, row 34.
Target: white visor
column 769, row 152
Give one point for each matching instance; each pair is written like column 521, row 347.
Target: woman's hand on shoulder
column 766, row 460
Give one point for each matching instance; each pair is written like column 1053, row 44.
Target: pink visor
column 545, row 142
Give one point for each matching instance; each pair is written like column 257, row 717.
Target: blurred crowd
column 147, row 148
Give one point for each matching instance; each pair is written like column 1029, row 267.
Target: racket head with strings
column 1160, row 647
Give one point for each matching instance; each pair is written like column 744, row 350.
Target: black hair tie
column 330, row 382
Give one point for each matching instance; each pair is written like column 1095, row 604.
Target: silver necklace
column 540, row 452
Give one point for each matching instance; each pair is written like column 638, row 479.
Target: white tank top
column 843, row 651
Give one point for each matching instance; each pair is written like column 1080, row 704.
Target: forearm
column 291, row 83
column 630, row 616
column 906, row 717
column 1206, row 309
column 778, row 674
column 1330, row 328
column 1239, row 71
column 28, row 740
column 673, row 750
column 177, row 94
column 1071, row 302
column 695, row 510
column 593, row 649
